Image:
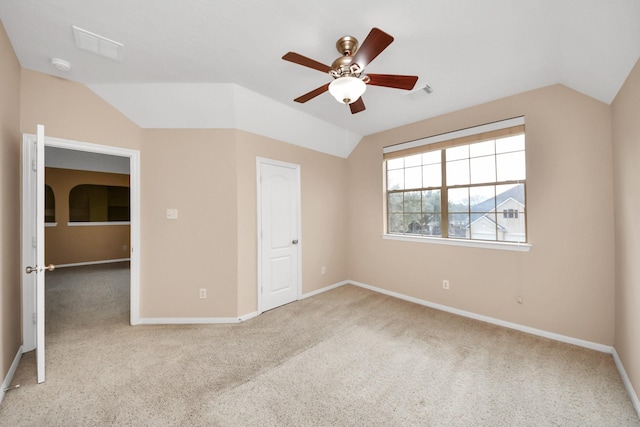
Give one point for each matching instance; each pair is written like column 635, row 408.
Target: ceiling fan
column 350, row 82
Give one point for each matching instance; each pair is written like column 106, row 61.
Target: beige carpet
column 345, row 357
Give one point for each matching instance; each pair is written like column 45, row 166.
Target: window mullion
column 444, row 197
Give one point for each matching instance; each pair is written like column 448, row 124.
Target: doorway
column 133, row 156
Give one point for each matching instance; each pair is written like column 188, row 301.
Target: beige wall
column 10, row 324
column 626, row 154
column 566, row 280
column 69, row 245
column 323, row 181
column 70, row 110
column 192, row 171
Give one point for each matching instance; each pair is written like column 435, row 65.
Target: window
column 468, row 184
column 98, row 203
column 510, row 213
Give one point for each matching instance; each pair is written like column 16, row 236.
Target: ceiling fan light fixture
column 347, row 90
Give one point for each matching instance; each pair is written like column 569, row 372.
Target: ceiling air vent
column 97, row 44
column 420, row 92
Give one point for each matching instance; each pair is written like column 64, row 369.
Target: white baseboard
column 527, row 329
column 9, row 377
column 248, row 316
column 187, row 320
column 219, row 320
column 106, row 261
column 325, row 289
column 627, row 382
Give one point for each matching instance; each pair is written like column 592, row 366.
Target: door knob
column 295, row 242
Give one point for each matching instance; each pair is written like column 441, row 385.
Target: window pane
column 482, row 149
column 484, row 227
column 457, row 153
column 513, row 191
column 458, row 225
column 432, row 157
column 431, row 202
column 511, row 166
column 510, row 199
column 431, row 176
column 512, row 229
column 412, row 201
column 431, row 217
column 458, row 172
column 395, row 163
column 483, row 169
column 394, row 202
column 511, row 143
column 415, row 160
column 395, row 179
column 413, row 177
column 396, row 224
column 431, row 225
column 458, row 200
column 412, row 224
column 482, row 199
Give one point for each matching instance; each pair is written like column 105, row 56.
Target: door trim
column 135, row 246
column 259, row 162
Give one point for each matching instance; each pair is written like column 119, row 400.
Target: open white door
column 33, row 246
column 279, row 233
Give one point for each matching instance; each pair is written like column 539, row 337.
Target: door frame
column 28, row 329
column 259, row 162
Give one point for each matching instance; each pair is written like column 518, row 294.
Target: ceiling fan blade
column 310, row 95
column 376, row 42
column 296, row 58
column 357, row 106
column 392, row 80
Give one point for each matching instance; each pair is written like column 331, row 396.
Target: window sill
column 90, row 224
column 50, row 224
column 505, row 246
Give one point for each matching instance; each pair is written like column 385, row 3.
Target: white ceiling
column 203, row 63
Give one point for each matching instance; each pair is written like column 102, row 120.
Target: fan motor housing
column 347, row 46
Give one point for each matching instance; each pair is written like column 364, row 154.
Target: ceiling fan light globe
column 347, row 90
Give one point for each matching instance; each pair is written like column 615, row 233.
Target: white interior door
column 279, row 233
column 33, row 247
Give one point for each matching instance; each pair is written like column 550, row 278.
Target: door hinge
column 35, row 317
column 34, row 165
column 33, row 242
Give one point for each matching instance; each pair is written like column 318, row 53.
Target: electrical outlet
column 203, row 293
column 445, row 284
column 124, row 247
column 323, row 270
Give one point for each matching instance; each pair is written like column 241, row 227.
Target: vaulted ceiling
column 202, row 63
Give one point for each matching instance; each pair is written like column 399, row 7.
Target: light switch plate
column 172, row 213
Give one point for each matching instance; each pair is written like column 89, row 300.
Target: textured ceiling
column 469, row 51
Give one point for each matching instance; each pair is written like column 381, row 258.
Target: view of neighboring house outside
column 505, row 222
